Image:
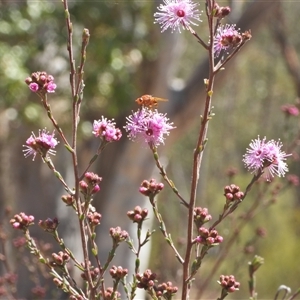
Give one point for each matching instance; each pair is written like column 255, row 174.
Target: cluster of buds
column 293, row 179
column 248, row 249
column 118, row 272
column 21, row 221
column 41, row 82
column 228, row 283
column 49, row 225
column 150, row 188
column 221, row 12
column 118, row 235
column 261, row 232
column 19, row 242
column 209, row 237
column 231, row 172
column 110, row 294
column 60, row 258
column 232, row 193
column 201, row 216
column 39, row 292
column 94, row 272
column 166, row 289
column 94, row 218
column 68, row 199
column 91, row 184
column 8, row 279
column 146, row 280
column 290, row 110
column 138, row 215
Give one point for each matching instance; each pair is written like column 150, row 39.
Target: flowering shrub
column 147, row 126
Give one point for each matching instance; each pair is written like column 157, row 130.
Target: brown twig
column 198, row 154
column 74, row 77
column 164, row 230
column 166, row 178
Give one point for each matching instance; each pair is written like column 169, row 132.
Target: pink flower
column 149, row 126
column 226, row 37
column 50, row 87
column 290, row 110
column 43, row 144
column 34, row 87
column 176, row 14
column 106, row 129
column 263, row 155
column 41, row 82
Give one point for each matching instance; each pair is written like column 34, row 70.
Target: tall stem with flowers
column 224, row 42
column 147, row 125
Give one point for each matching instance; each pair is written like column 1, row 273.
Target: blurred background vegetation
column 127, row 57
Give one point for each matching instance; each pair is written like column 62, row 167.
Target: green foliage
column 33, row 37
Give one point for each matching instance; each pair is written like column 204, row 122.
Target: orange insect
column 149, row 101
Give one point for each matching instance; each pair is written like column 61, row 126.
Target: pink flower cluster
column 151, row 187
column 227, row 36
column 229, row 283
column 21, row 221
column 90, row 185
column 175, row 14
column 208, row 237
column 106, row 129
column 266, row 155
column 41, row 81
column 42, row 144
column 149, row 126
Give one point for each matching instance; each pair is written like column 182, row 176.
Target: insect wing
column 160, row 99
